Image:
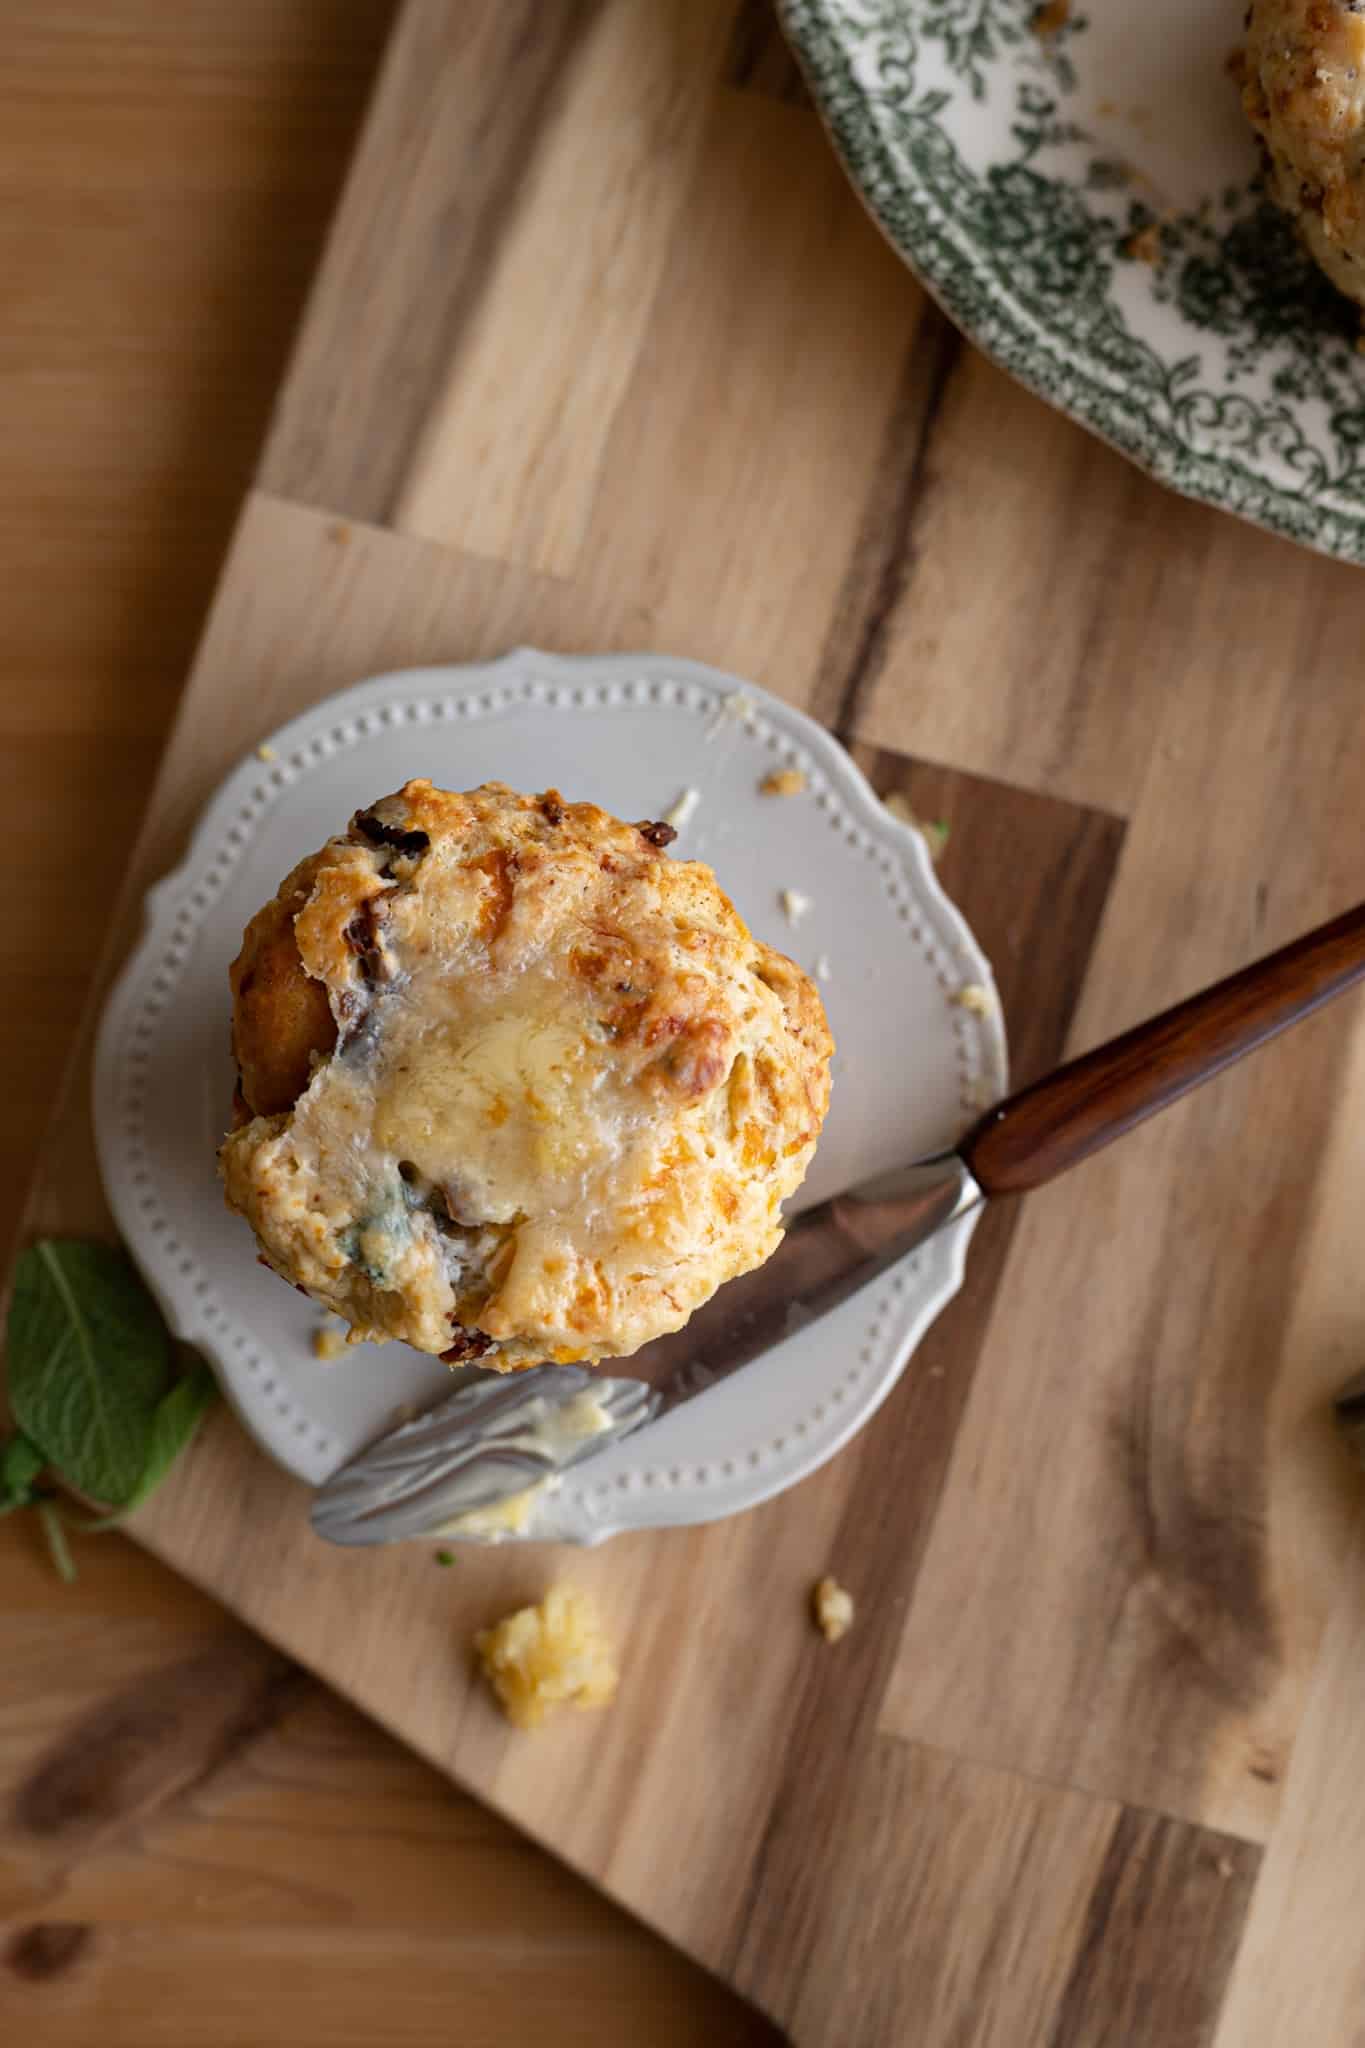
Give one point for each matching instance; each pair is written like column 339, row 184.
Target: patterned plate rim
column 944, row 262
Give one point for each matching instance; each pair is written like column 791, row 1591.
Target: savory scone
column 1304, row 93
column 514, row 1085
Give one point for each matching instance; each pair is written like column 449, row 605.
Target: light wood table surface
column 604, row 353
column 280, row 1870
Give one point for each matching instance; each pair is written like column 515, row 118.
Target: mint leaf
column 50, row 1515
column 20, row 1464
column 89, row 1357
column 175, row 1420
column 174, row 1425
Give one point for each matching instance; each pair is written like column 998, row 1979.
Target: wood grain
column 1039, row 597
column 1094, row 1099
column 1020, row 1912
column 760, row 59
column 1097, row 1531
column 1301, row 1974
column 145, row 330
column 425, row 207
column 165, row 187
column 509, row 460
column 1155, row 1647
column 200, row 1843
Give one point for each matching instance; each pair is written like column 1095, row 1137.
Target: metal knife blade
column 500, row 1435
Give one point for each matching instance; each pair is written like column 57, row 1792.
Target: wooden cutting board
column 604, row 354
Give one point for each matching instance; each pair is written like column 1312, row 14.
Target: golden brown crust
column 281, row 1018
column 1304, row 93
column 569, row 1091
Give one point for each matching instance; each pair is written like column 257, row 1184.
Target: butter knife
column 499, row 1435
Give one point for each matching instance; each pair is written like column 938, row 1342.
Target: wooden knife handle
column 1033, row 1136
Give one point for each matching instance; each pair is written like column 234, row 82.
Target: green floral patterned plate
column 1086, row 203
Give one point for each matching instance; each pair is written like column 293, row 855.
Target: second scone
column 1304, row 93
column 514, row 1084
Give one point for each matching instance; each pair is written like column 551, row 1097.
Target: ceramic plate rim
column 1045, row 364
column 581, row 1512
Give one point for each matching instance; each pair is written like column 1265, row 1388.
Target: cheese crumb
column 975, row 997
column 265, row 752
column 783, row 782
column 328, row 1342
column 794, row 905
column 548, row 1656
column 738, row 706
column 679, row 813
column 832, row 1608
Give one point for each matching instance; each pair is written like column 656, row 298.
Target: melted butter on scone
column 503, row 1095
column 569, row 1091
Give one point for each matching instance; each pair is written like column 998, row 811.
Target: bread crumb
column 823, row 970
column 832, row 1608
column 680, row 811
column 265, row 752
column 1225, row 1866
column 794, row 905
column 783, row 782
column 328, row 1342
column 974, row 996
column 548, row 1656
column 1144, row 244
column 1050, row 17
column 739, row 705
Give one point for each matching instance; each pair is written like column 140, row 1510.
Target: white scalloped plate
column 630, row 733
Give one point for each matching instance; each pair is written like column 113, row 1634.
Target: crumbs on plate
column 1143, row 245
column 738, row 707
column 681, row 809
column 328, row 1342
column 552, row 1655
column 974, row 996
column 794, row 905
column 783, row 782
column 265, row 752
column 832, row 1608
